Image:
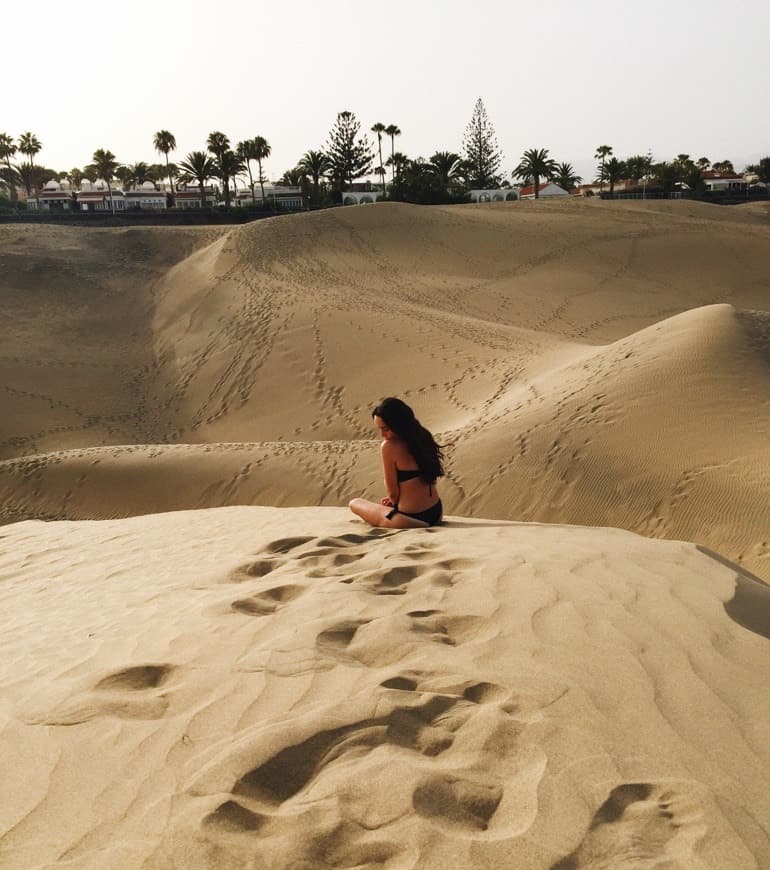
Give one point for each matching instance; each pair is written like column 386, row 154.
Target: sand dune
column 280, row 686
column 587, row 363
column 257, row 687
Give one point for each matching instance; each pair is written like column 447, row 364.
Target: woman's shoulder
column 396, row 450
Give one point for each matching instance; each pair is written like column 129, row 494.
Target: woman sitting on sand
column 411, row 463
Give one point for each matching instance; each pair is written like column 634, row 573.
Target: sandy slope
column 285, row 688
column 594, row 363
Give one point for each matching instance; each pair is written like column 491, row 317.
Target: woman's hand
column 386, row 502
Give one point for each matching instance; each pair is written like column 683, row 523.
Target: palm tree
column 602, row 153
column 30, row 145
column 379, row 129
column 218, row 143
column 262, row 151
column 75, row 177
column 246, row 152
column 10, row 180
column 723, row 166
column 201, row 167
column 163, row 142
column 315, row 164
column 124, row 176
column 613, row 170
column 392, row 131
column 397, row 161
column 293, row 177
column 228, row 166
column 761, row 170
column 105, row 165
column 140, row 172
column 445, row 166
column 7, row 150
column 535, row 164
column 639, row 166
column 564, row 175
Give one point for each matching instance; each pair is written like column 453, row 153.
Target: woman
column 411, row 463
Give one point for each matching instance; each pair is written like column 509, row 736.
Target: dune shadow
column 750, row 604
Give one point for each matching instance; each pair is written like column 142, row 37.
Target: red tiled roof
column 716, row 173
column 530, row 188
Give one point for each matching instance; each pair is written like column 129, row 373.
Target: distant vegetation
column 349, row 154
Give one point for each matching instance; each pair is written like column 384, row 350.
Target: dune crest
column 597, row 366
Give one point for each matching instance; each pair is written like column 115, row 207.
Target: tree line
column 349, row 154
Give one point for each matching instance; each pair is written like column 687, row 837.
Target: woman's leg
column 376, row 515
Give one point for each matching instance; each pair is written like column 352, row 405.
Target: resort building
column 278, row 195
column 546, row 188
column 500, row 194
column 716, row 179
column 97, row 197
column 361, row 193
column 189, row 196
column 53, row 197
column 146, row 197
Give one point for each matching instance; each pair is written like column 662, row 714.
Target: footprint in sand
column 635, row 826
column 427, row 729
column 456, row 802
column 233, row 817
column 270, row 560
column 267, row 602
column 327, row 554
column 127, row 694
column 392, row 581
column 338, row 637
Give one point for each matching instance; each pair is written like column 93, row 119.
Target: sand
column 264, row 687
column 228, row 670
column 589, row 363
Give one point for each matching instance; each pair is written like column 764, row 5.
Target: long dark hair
column 399, row 418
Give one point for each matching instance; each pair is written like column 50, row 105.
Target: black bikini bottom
column 431, row 516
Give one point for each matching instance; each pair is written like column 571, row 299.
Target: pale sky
column 666, row 76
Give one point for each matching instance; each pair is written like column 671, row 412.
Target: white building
column 546, row 188
column 189, row 196
column 500, row 194
column 53, row 197
column 280, row 195
column 146, row 197
column 96, row 197
column 715, row 179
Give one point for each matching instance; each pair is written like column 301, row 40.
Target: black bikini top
column 401, row 476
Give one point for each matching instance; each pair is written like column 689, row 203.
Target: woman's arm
column 389, row 472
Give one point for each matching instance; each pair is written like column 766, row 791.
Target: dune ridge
column 586, row 363
column 228, row 670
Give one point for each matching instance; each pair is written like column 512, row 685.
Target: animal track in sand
column 634, row 826
column 267, row 602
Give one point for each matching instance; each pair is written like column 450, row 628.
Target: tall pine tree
column 350, row 155
column 482, row 154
